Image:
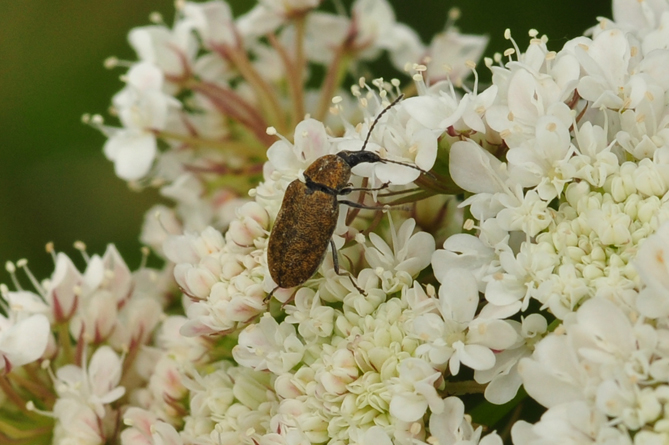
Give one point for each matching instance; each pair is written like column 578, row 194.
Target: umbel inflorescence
column 533, row 254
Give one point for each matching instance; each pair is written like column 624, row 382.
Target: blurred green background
column 56, row 185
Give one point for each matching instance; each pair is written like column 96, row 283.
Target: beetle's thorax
column 331, row 171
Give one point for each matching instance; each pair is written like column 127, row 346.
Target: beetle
column 309, row 211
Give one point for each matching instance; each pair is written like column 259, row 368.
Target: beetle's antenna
column 415, row 167
column 369, row 133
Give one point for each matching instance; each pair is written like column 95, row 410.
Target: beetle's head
column 354, row 158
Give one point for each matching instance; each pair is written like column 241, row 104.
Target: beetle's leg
column 269, row 296
column 335, row 260
column 347, row 190
column 357, row 205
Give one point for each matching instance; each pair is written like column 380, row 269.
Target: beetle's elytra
column 309, row 211
column 306, row 222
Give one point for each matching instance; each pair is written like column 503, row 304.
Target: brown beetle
column 309, row 212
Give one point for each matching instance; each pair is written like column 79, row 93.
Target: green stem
column 233, row 147
column 264, row 90
column 333, row 79
column 67, row 354
column 415, row 197
column 300, row 66
column 10, row 392
column 294, row 73
column 35, row 388
column 232, row 105
column 466, row 387
column 20, row 436
column 438, row 184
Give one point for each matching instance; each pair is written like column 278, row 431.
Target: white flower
column 146, row 429
column 514, row 284
column 107, row 285
column 414, row 145
column 573, row 422
column 596, row 159
column 436, row 111
column 606, row 60
column 410, row 254
column 324, row 35
column 313, row 319
column 212, row 20
column 565, row 163
column 454, row 335
column 553, row 376
column 476, row 170
column 373, row 21
column 142, row 108
column 602, row 360
column 397, row 137
column 269, row 345
column 532, row 215
column 136, row 322
column 452, row 426
column 414, row 391
column 230, row 405
column 527, row 95
column 404, row 47
column 22, row 340
column 652, row 265
column 224, row 276
column 644, row 129
column 169, row 49
column 464, row 251
column 503, row 378
column 449, row 52
column 376, row 436
column 95, row 385
column 77, row 423
column 639, row 17
column 311, row 142
column 543, row 161
column 268, row 15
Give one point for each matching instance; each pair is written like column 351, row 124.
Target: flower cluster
column 77, row 344
column 497, row 235
column 197, row 104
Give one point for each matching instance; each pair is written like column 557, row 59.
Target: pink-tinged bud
column 96, row 318
column 181, row 348
column 240, row 234
column 65, row 288
column 212, row 264
column 118, row 278
column 242, row 309
column 136, row 322
column 199, row 321
column 181, row 249
column 195, row 282
column 166, row 381
column 255, row 228
column 199, row 282
column 285, row 388
column 250, row 262
column 146, row 429
column 230, row 269
column 210, row 241
column 256, row 212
